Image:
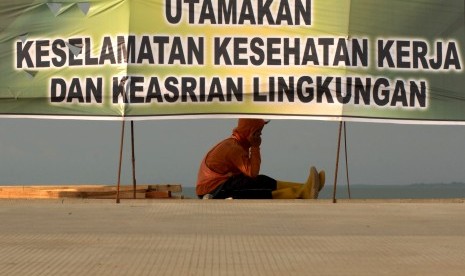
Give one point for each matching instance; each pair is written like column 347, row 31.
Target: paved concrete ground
column 221, row 237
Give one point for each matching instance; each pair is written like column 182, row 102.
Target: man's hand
column 255, row 139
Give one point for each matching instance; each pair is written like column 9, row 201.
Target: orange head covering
column 245, row 127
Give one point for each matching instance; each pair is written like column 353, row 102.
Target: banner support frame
column 346, row 157
column 120, row 162
column 341, row 125
column 133, row 161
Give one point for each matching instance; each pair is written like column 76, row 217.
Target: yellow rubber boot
column 285, row 185
column 286, row 193
column 322, row 177
column 308, row 190
column 311, row 188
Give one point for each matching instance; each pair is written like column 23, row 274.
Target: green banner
column 386, row 60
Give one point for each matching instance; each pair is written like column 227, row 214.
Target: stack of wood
column 92, row 191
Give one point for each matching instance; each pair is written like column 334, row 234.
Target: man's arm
column 249, row 163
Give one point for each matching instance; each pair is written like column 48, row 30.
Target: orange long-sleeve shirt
column 231, row 156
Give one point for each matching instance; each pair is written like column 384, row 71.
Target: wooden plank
column 76, row 188
column 174, row 188
column 72, row 194
column 88, row 191
column 158, row 194
column 122, row 195
column 93, row 194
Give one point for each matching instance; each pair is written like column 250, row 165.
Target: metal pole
column 120, row 161
column 121, row 89
column 337, row 161
column 133, row 160
column 347, row 163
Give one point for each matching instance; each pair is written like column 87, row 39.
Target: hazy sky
column 36, row 151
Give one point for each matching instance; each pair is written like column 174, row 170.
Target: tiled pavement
column 231, row 237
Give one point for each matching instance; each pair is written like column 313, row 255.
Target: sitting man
column 231, row 169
